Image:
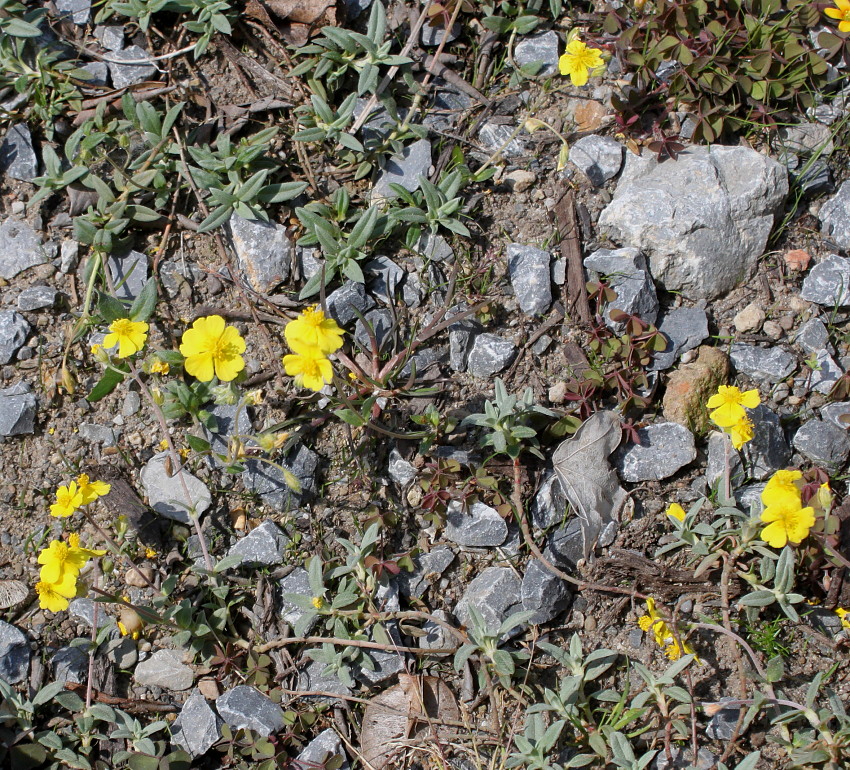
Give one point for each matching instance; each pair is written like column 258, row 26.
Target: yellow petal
column 200, row 366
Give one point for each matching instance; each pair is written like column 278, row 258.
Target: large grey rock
column 99, row 434
column 197, row 727
column 22, row 248
column 404, row 169
column 166, row 494
column 246, row 707
column 684, row 329
column 17, row 156
column 544, row 593
column 428, row 567
column 490, row 354
column 264, row 252
column 13, row 333
column 341, row 302
column 813, row 336
column 436, row 637
column 828, row 282
column 825, row 373
column 823, row 443
column 664, row 448
column 531, row 277
column 314, row 678
column 599, row 158
column 84, row 609
column 124, row 69
column 400, row 471
column 36, row 298
column 434, row 247
column 384, row 278
column 98, row 73
column 806, row 139
column 270, row 483
column 165, row 668
column 762, row 364
column 495, row 593
column 549, row 506
column 77, row 11
column 297, row 583
column 721, row 452
column 110, row 37
column 480, row 526
column 461, row 336
column 380, row 322
column 835, row 218
column 325, row 746
column 17, row 410
column 385, row 663
column 767, row 451
column 122, row 652
column 703, row 220
column 629, row 278
column 70, row 664
column 541, row 49
column 834, row 413
column 129, row 273
column 721, row 726
column 14, row 654
column 497, row 136
column 263, row 546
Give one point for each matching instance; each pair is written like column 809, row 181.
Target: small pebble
column 795, row 400
column 781, row 392
column 18, row 207
column 772, row 329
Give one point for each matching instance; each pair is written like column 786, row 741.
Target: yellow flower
column 150, row 552
column 311, row 329
column 675, row 511
column 842, row 13
column 310, row 368
column 728, row 405
column 91, row 490
column 787, row 521
column 578, row 61
column 126, row 632
column 842, row 613
column 741, row 432
column 780, row 485
column 129, row 335
column 163, row 445
column 68, row 499
column 663, row 635
column 54, row 596
column 318, row 602
column 96, row 348
column 89, row 553
column 60, row 559
column 159, row 367
column 213, row 349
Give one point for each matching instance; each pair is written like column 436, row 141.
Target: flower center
column 122, row 327
column 223, row 350
column 311, row 367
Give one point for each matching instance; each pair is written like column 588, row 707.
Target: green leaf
column 197, row 444
column 216, row 218
column 775, row 669
column 110, row 308
column 144, row 304
column 351, row 417
column 105, row 385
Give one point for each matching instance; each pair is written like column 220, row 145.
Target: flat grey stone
column 823, row 443
column 13, row 333
column 22, row 248
column 387, row 664
column 434, row 247
column 18, row 406
column 129, row 273
column 110, row 37
column 165, row 668
column 400, row 471
column 325, row 746
column 17, row 156
column 424, row 359
column 806, row 139
column 461, row 336
column 226, row 427
column 703, row 220
column 197, row 728
column 490, row 354
column 36, row 298
column 495, row 136
column 341, row 302
column 264, row 252
column 565, row 546
column 664, row 448
column 719, row 448
column 436, row 637
column 434, row 34
column 812, row 336
column 296, row 582
column 762, row 364
column 599, row 158
column 166, row 494
column 377, row 126
column 122, row 652
column 683, row 760
column 549, row 506
column 269, row 482
column 825, row 374
column 814, row 179
column 544, row 593
column 630, row 279
column 314, row 678
column 14, row 654
column 495, row 593
column 99, row 434
column 246, row 707
column 70, row 664
column 99, row 72
column 828, row 282
column 428, row 567
column 83, row 609
column 531, row 277
column 750, row 496
column 685, row 328
column 77, row 11
column 835, row 219
column 69, row 254
column 767, row 451
column 262, row 547
column 405, row 170
column 542, row 49
column 825, row 621
column 480, row 526
column 381, row 322
column 833, row 413
column 309, row 262
column 383, row 277
column 721, row 727
column 124, row 72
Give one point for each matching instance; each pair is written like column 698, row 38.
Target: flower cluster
column 786, row 518
column 213, row 349
column 312, row 338
column 579, row 61
column 729, row 415
column 77, row 494
column 61, row 566
column 663, row 635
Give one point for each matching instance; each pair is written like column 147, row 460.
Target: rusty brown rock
column 691, row 385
